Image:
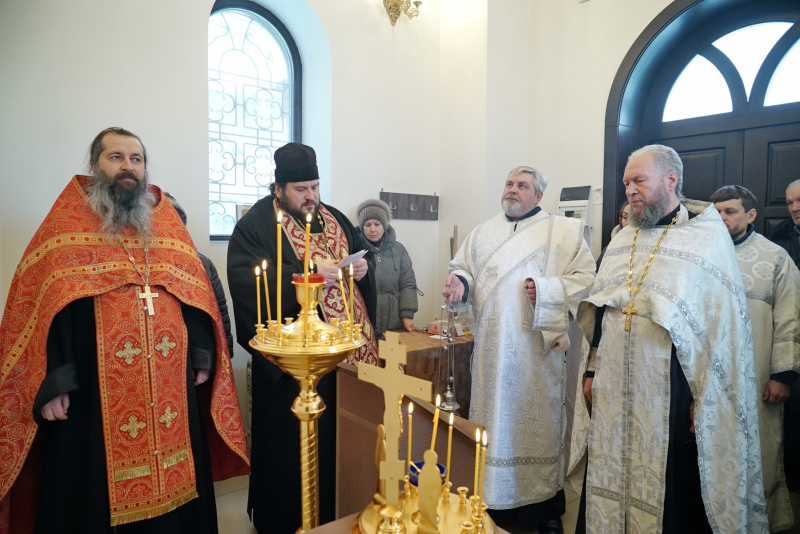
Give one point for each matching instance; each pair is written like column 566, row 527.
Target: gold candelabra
column 307, row 349
column 427, row 507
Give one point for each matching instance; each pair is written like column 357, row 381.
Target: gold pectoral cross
column 148, row 296
column 630, row 311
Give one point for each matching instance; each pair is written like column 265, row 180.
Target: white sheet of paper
column 352, row 258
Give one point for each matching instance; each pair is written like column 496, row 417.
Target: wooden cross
column 148, row 296
column 630, row 311
column 394, row 384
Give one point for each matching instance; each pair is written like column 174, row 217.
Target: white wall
column 445, row 103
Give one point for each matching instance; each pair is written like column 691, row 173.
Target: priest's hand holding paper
column 360, row 269
column 330, row 271
column 453, row 289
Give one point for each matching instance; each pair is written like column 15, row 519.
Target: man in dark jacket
column 213, row 277
column 787, row 233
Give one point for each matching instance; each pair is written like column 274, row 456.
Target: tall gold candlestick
column 352, row 300
column 258, row 293
column 449, row 448
column 280, row 269
column 477, row 461
column 435, row 421
column 410, row 413
column 266, row 290
column 344, row 298
column 483, row 466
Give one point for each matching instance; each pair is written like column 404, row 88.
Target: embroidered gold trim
column 168, row 417
column 179, row 456
column 165, row 346
column 133, row 426
column 133, row 472
column 128, row 353
column 139, row 515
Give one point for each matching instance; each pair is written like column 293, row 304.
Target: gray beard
column 119, row 208
column 512, row 209
column 651, row 213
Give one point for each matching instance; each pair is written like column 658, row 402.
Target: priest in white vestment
column 525, row 272
column 673, row 441
column 772, row 284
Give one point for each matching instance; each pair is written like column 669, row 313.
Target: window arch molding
column 259, row 11
column 646, row 75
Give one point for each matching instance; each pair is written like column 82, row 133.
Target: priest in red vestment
column 119, row 408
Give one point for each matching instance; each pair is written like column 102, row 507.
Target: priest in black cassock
column 274, row 502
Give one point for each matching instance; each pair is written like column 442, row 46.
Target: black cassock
column 274, row 501
column 74, row 494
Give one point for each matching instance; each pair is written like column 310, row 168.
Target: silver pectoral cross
column 148, row 296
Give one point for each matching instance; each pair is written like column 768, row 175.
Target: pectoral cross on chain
column 630, row 311
column 148, row 296
column 394, row 384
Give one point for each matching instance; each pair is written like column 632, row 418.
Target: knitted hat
column 374, row 209
column 295, row 162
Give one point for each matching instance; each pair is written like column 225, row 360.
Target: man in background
column 772, row 284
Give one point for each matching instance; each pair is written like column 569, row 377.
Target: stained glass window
column 250, row 111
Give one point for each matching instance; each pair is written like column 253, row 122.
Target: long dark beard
column 651, row 213
column 118, row 207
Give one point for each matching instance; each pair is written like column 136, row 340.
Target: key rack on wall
column 409, row 206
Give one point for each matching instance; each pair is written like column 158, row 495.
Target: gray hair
column 539, row 179
column 97, row 147
column 666, row 160
column 793, row 184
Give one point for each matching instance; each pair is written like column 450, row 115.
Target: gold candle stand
column 307, row 349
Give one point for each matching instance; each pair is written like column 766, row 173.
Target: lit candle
column 449, row 448
column 410, row 412
column 308, row 246
column 280, row 269
column 477, row 460
column 344, row 297
column 352, row 301
column 435, row 421
column 305, row 272
column 258, row 292
column 483, row 467
column 266, row 289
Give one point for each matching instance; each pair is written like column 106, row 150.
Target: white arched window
column 253, row 107
column 701, row 89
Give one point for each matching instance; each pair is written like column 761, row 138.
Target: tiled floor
column 233, row 519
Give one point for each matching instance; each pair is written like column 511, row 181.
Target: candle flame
column 264, row 265
column 340, row 274
column 310, row 265
column 258, row 271
column 351, row 269
column 438, row 400
column 280, row 216
column 308, row 218
column 451, row 419
column 410, row 408
column 485, row 439
column 477, row 435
